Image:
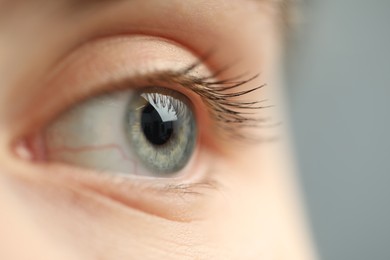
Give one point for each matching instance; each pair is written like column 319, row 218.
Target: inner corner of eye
column 148, row 132
column 22, row 150
column 29, row 148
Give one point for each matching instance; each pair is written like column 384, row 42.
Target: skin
column 248, row 206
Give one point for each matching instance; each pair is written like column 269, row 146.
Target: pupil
column 155, row 129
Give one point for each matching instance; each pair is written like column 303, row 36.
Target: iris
column 161, row 128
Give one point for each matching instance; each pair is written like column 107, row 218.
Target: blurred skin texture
column 53, row 52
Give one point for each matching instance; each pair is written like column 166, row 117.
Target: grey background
column 339, row 90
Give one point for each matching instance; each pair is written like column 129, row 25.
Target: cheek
column 19, row 230
column 234, row 220
column 93, row 227
column 247, row 218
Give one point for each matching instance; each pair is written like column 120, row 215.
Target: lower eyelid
column 173, row 200
column 179, row 199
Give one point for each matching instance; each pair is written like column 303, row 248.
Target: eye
column 150, row 131
column 138, row 106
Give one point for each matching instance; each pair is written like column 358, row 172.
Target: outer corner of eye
column 150, row 132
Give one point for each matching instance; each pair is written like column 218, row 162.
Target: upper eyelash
column 219, row 95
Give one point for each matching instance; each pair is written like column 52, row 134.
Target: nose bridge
column 19, row 237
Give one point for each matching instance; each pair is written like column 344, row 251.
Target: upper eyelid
column 216, row 94
column 223, row 110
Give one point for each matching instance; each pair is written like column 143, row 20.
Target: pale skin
column 51, row 49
